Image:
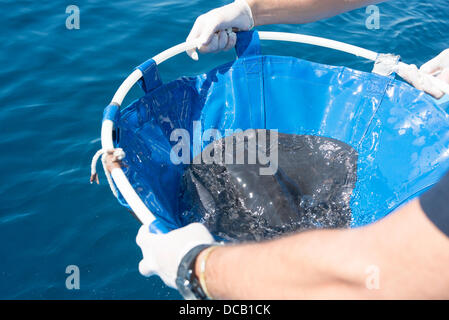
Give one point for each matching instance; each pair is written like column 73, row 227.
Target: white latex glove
column 162, row 253
column 213, row 30
column 438, row 66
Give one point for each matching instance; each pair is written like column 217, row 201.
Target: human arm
column 438, row 67
column 210, row 28
column 409, row 249
column 411, row 255
column 301, row 11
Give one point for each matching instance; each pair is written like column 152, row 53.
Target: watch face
column 186, row 280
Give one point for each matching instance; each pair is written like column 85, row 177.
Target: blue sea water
column 54, row 84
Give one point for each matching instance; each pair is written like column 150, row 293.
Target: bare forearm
column 408, row 252
column 310, row 265
column 301, row 11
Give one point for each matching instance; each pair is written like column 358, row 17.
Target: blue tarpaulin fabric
column 401, row 134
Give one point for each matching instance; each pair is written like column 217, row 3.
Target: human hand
column 162, row 253
column 213, row 29
column 437, row 67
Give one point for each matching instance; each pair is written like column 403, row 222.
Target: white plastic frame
column 139, row 208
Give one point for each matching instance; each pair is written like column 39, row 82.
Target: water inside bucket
column 310, row 189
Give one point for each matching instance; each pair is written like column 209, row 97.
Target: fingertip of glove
column 144, row 269
column 425, row 69
column 439, row 95
column 193, row 54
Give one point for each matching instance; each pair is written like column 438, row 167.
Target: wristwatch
column 186, row 280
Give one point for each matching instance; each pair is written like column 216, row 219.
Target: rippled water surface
column 55, row 83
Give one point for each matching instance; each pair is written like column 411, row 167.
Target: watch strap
column 187, row 282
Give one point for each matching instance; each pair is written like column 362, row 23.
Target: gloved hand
column 438, row 66
column 214, row 29
column 162, row 253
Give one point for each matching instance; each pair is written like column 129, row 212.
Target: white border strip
column 123, row 90
column 318, row 41
column 132, row 198
column 263, row 35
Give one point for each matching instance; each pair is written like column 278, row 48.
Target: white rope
column 117, row 155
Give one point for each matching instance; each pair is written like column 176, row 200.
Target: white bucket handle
column 121, row 181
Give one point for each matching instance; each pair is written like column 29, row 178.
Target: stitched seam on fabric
column 375, row 112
